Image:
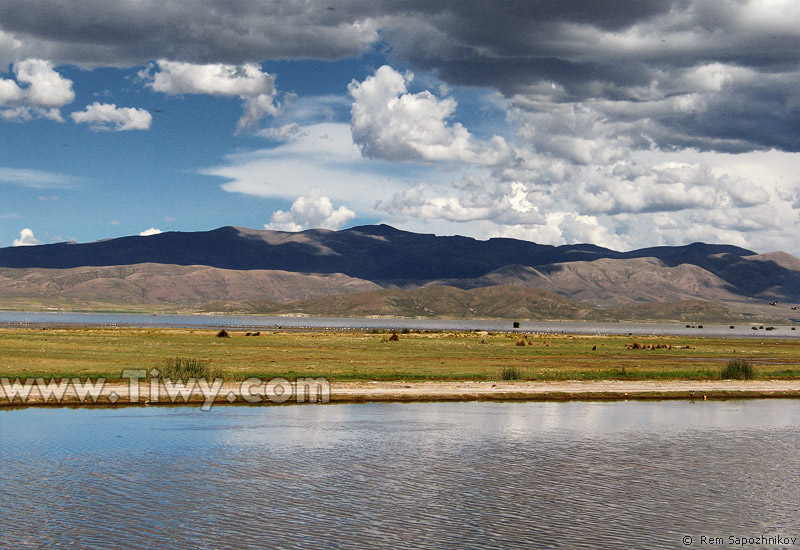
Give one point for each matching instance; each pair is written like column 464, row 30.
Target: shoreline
column 369, row 392
column 762, row 328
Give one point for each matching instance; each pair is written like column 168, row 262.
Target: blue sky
column 636, row 125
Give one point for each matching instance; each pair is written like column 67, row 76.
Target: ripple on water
column 434, row 475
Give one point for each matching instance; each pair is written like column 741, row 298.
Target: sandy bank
column 573, row 389
column 122, row 394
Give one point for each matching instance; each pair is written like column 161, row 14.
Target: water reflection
column 434, row 475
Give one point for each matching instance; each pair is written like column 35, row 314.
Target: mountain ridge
column 236, row 264
column 323, row 251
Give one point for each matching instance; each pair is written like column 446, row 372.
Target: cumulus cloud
column 107, row 116
column 248, row 82
column 26, row 238
column 311, row 212
column 390, row 123
column 650, row 123
column 638, row 50
column 38, row 92
column 149, row 232
column 509, row 204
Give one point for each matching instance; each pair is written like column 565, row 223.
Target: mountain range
column 380, row 270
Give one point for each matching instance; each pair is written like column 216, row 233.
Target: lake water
column 17, row 318
column 385, row 475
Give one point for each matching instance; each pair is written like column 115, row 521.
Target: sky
column 624, row 124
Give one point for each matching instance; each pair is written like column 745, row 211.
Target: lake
column 390, row 475
column 742, row 330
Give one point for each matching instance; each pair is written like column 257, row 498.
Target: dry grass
column 344, row 355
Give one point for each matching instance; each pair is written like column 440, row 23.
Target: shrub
column 510, row 373
column 179, row 368
column 738, row 369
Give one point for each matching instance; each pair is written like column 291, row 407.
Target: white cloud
column 508, row 204
column 390, row 123
column 320, row 155
column 149, row 232
column 248, row 82
column 287, row 132
column 560, row 228
column 26, row 238
column 36, row 179
column 10, row 92
column 311, row 212
column 107, row 116
column 39, row 91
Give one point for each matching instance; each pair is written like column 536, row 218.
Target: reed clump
column 510, row 373
column 737, row 369
column 180, row 368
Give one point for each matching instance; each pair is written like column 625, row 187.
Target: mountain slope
column 495, row 302
column 612, row 282
column 169, row 284
column 441, row 301
column 232, row 264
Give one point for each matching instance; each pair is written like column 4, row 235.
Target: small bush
column 179, row 368
column 510, row 373
column 738, row 369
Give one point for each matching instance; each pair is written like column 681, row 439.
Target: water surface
column 390, row 475
column 21, row 318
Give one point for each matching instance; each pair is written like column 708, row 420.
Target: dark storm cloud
column 637, row 55
column 127, row 32
column 633, row 53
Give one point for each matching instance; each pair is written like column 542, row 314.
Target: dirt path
column 281, row 391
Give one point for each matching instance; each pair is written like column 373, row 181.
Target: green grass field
column 354, row 355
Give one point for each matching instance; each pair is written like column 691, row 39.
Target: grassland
column 361, row 356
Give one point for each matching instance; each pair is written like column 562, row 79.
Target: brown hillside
column 611, row 282
column 169, row 284
column 443, row 301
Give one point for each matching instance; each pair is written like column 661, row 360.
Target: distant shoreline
column 52, row 319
